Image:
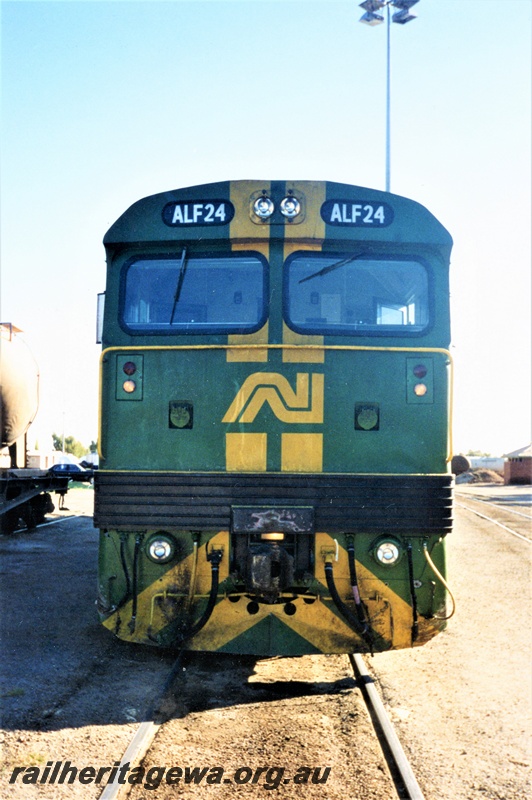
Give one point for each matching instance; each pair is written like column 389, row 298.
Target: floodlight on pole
column 370, row 7
column 401, row 17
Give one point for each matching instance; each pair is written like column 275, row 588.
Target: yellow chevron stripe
column 173, row 584
column 316, row 623
column 390, row 615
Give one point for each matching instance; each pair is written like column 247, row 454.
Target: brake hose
column 442, row 579
column 192, row 587
column 123, row 537
column 361, row 612
column 215, row 557
column 361, row 628
column 354, row 581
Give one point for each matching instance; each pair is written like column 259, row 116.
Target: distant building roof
column 524, row 452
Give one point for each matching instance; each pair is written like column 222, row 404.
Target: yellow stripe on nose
column 302, row 452
column 245, row 452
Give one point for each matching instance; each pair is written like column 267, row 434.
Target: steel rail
column 477, row 499
column 147, row 731
column 395, row 748
column 144, row 736
column 494, row 522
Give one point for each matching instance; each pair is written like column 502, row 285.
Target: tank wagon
column 24, row 492
column 275, row 450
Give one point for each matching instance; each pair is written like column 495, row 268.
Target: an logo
column 303, row 405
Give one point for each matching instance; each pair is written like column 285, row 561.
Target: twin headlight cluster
column 264, row 207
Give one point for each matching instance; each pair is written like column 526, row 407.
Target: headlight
column 290, row 207
column 161, row 548
column 263, row 207
column 387, row 552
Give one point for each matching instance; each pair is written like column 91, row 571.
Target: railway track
column 132, row 673
column 137, row 753
column 400, row 768
column 515, row 521
column 145, row 734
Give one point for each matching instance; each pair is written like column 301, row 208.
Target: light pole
column 401, row 17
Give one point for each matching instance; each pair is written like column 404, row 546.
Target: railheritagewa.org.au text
column 64, row 772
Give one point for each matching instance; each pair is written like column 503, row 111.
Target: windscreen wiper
column 182, row 271
column 331, row 267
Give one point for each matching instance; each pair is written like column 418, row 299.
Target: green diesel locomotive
column 274, row 438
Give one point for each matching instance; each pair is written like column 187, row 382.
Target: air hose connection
column 358, row 623
column 440, row 577
column 215, row 557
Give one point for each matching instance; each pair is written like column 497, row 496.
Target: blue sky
column 107, row 102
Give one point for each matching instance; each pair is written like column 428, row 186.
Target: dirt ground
column 461, row 704
column 79, row 500
column 480, row 476
column 294, row 714
column 83, row 702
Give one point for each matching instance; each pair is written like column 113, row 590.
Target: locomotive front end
column 275, row 415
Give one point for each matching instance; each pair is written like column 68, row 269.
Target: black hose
column 412, row 592
column 361, row 613
column 215, row 557
column 123, row 537
column 133, row 621
column 354, row 581
column 354, row 622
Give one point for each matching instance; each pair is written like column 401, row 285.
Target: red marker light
column 129, row 368
column 420, row 370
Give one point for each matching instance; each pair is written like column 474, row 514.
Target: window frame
column 360, row 332
column 193, row 329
